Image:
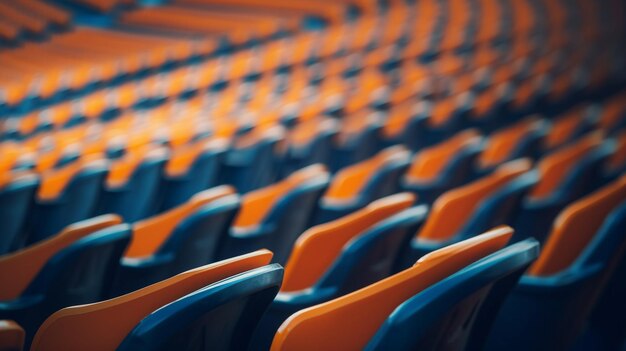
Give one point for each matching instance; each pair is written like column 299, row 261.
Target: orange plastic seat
column 348, row 322
column 567, row 128
column 355, row 186
column 274, row 216
column 11, row 336
column 520, row 140
column 441, row 167
column 104, row 325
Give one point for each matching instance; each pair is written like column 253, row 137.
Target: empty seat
column 472, row 209
column 524, row 139
column 17, row 191
column 569, row 127
column 457, row 312
column 132, row 183
column 110, row 324
column 338, row 257
column 182, row 238
column 357, row 139
column 190, row 169
column 11, row 336
column 66, row 195
column 309, row 142
column 76, row 266
column 549, row 307
column 357, row 185
column 442, row 167
column 253, row 160
column 349, row 322
column 564, row 176
column 273, row 217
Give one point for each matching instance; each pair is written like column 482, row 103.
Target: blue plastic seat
column 189, row 170
column 77, row 266
column 550, row 306
column 439, row 168
column 66, row 195
column 185, row 237
column 471, row 209
column 131, row 187
column 16, row 196
column 309, row 142
column 357, row 140
column 211, row 307
column 339, row 257
column 235, row 304
column 253, row 161
column 356, row 186
column 274, row 217
column 457, row 312
column 565, row 175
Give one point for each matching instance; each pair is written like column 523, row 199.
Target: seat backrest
column 17, row 191
column 576, row 227
column 11, row 336
column 350, row 321
column 251, row 163
column 461, row 203
column 567, row 128
column 190, row 169
column 104, row 325
column 66, row 196
column 317, row 249
column 456, row 313
column 520, row 140
column 132, row 184
column 149, row 235
column 561, row 170
column 310, row 142
column 368, row 180
column 21, row 268
column 221, row 316
column 443, row 166
column 357, row 139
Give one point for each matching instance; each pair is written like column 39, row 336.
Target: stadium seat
column 76, row 266
column 485, row 203
column 91, row 326
column 131, row 186
column 11, row 336
column 457, row 312
column 17, row 191
column 182, row 238
column 350, row 322
column 549, row 307
column 273, row 217
column 357, row 140
column 441, row 167
column 65, row 196
column 355, row 186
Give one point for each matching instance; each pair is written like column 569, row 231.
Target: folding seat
column 564, row 176
column 355, row 186
column 444, row 166
column 443, row 117
column 336, row 258
column 185, row 237
column 568, row 127
column 189, row 170
column 273, row 217
column 357, row 139
column 211, row 307
column 74, row 267
column 252, row 161
column 471, row 209
column 132, row 183
column 523, row 139
column 17, row 191
column 11, row 336
column 405, row 124
column 351, row 321
column 456, row 313
column 309, row 142
column 66, row 195
column 550, row 306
